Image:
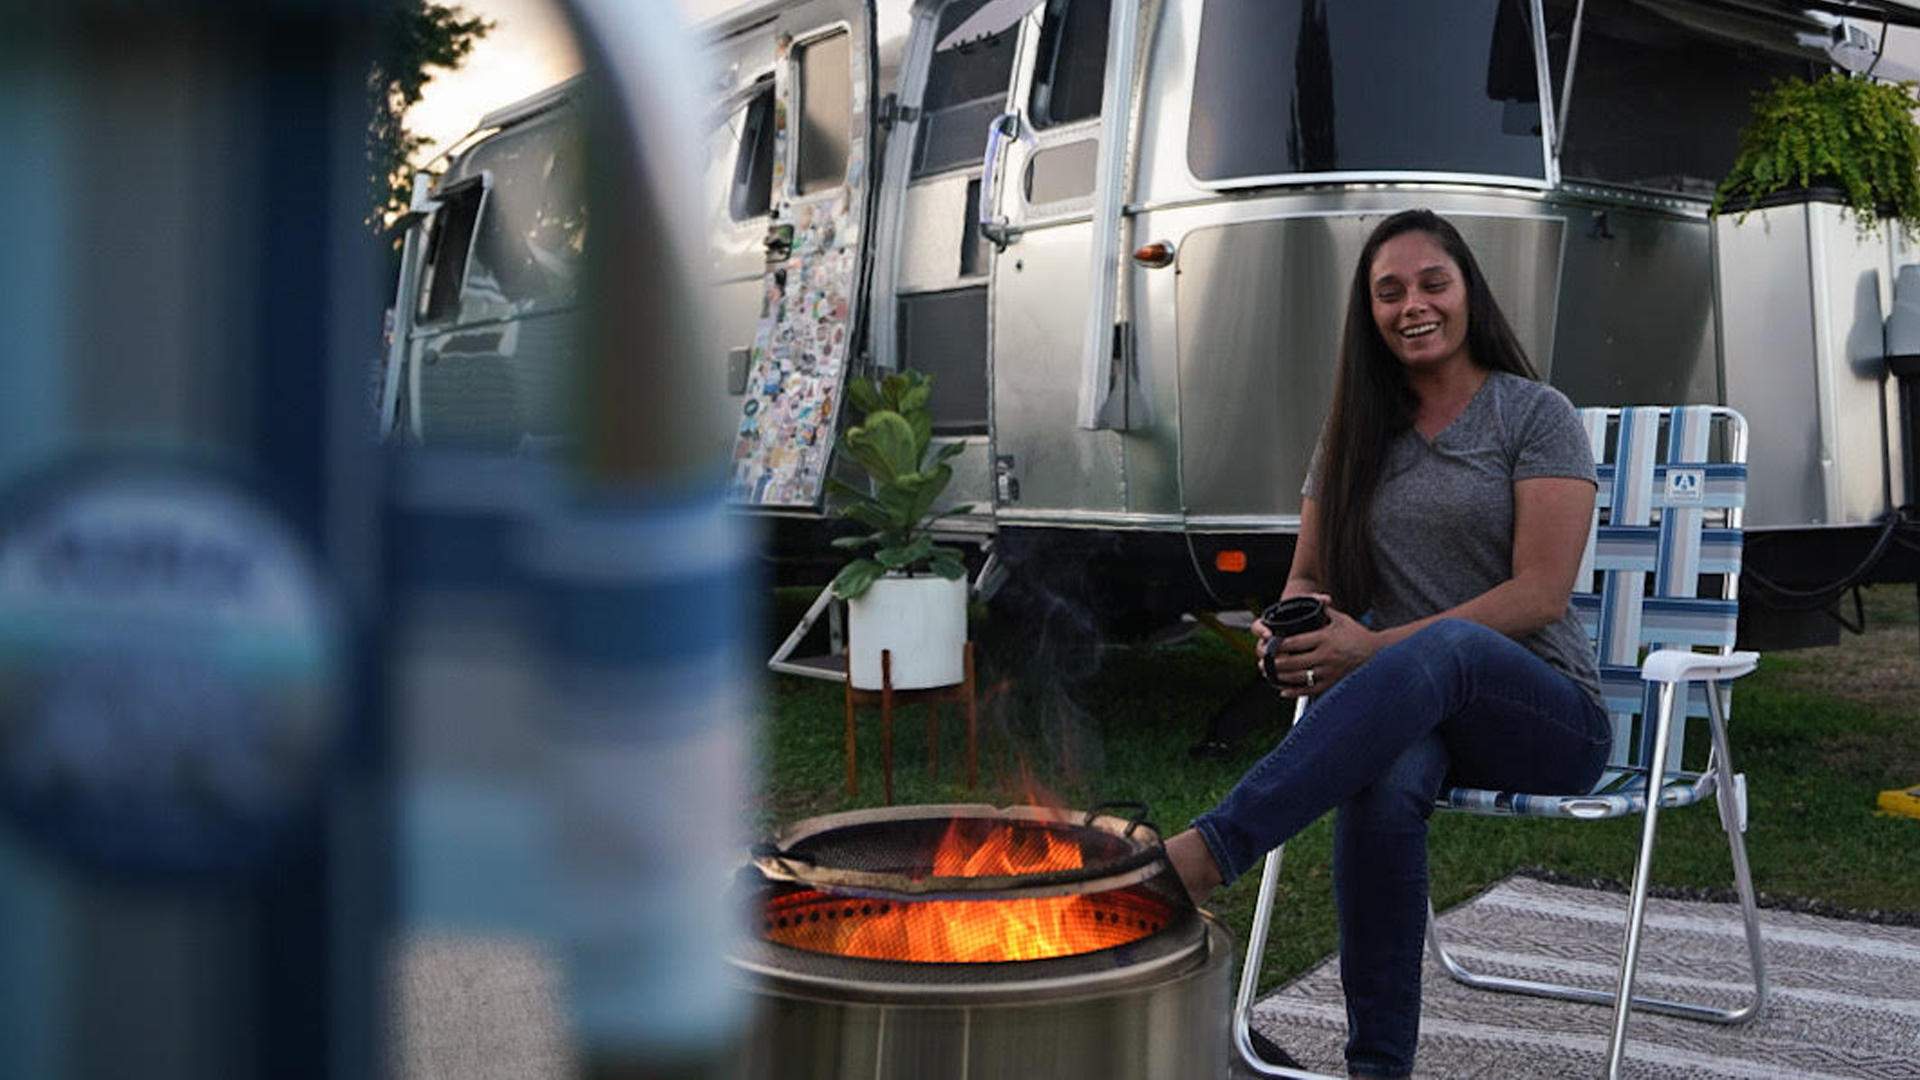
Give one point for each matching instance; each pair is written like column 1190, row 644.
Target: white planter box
column 1802, row 295
column 921, row 620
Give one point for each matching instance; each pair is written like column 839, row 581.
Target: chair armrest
column 1679, row 665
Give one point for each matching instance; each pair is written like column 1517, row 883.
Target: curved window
column 1659, row 98
column 1283, row 87
column 966, row 88
column 533, row 230
column 751, row 193
column 826, row 111
column 1072, row 70
column 449, row 246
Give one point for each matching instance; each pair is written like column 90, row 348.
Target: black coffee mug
column 1294, row 615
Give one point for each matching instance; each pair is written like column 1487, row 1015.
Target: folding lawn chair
column 1671, row 496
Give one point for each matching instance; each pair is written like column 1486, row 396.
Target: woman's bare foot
column 1193, row 861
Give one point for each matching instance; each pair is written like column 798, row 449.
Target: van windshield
column 1283, row 87
column 533, row 232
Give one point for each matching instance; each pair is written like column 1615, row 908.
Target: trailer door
column 1039, row 220
column 788, row 179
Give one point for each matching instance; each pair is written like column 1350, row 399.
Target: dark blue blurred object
column 187, row 295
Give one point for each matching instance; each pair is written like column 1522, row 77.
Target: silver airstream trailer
column 1117, row 233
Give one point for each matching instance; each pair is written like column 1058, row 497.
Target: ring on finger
column 1310, row 679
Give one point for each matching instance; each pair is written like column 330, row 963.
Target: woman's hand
column 1330, row 653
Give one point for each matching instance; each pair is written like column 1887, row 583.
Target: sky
column 530, row 48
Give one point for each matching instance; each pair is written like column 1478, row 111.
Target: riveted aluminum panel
column 1636, row 324
column 1039, row 306
column 1766, row 328
column 1802, row 296
column 1260, row 307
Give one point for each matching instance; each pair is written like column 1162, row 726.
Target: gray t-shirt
column 1442, row 518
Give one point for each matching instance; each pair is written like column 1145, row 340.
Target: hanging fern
column 1854, row 134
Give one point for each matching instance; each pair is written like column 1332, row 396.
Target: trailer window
column 966, row 88
column 1658, row 103
column 751, row 194
column 826, row 113
column 448, row 247
column 1283, row 87
column 1072, row 70
column 530, row 239
column 1066, row 171
column 946, row 335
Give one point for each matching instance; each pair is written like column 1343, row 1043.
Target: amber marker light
column 1230, row 562
column 1155, row 255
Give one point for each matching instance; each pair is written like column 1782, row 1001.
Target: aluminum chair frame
column 1664, row 673
column 1242, row 1026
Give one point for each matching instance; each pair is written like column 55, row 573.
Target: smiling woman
column 1420, row 304
column 1442, row 525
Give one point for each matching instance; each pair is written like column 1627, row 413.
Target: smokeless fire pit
column 974, row 941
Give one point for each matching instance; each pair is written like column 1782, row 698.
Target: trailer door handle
column 994, row 228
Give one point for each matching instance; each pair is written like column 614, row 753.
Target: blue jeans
column 1455, row 704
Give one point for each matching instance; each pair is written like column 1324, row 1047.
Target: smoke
column 1045, row 644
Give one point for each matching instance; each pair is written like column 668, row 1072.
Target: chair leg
column 1256, row 957
column 1642, row 873
column 1460, row 973
column 1257, row 936
column 1730, row 798
column 1622, row 998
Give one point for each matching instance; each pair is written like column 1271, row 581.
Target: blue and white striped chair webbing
column 1630, row 503
column 1678, row 575
column 1640, row 475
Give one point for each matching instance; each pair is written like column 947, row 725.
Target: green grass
column 1118, row 726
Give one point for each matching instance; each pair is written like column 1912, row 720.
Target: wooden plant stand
column 960, row 693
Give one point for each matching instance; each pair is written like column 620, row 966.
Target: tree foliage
column 416, row 38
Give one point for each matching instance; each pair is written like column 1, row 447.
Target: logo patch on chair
column 1686, row 487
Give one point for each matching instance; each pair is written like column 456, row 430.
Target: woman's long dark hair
column 1372, row 403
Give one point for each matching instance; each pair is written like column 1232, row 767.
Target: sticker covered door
column 800, row 134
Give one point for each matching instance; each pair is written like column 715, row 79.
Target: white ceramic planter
column 922, row 620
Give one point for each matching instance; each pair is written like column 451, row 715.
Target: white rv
column 1117, row 233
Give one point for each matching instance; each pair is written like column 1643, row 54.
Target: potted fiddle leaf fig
column 1839, row 131
column 907, row 595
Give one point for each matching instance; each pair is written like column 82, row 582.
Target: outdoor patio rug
column 1845, row 993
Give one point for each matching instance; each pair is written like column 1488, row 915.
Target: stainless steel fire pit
column 968, row 941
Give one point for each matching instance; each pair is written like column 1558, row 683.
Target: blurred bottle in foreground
column 192, row 874
column 228, row 795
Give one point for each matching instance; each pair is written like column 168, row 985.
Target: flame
column 987, row 931
column 969, row 931
column 1004, row 849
